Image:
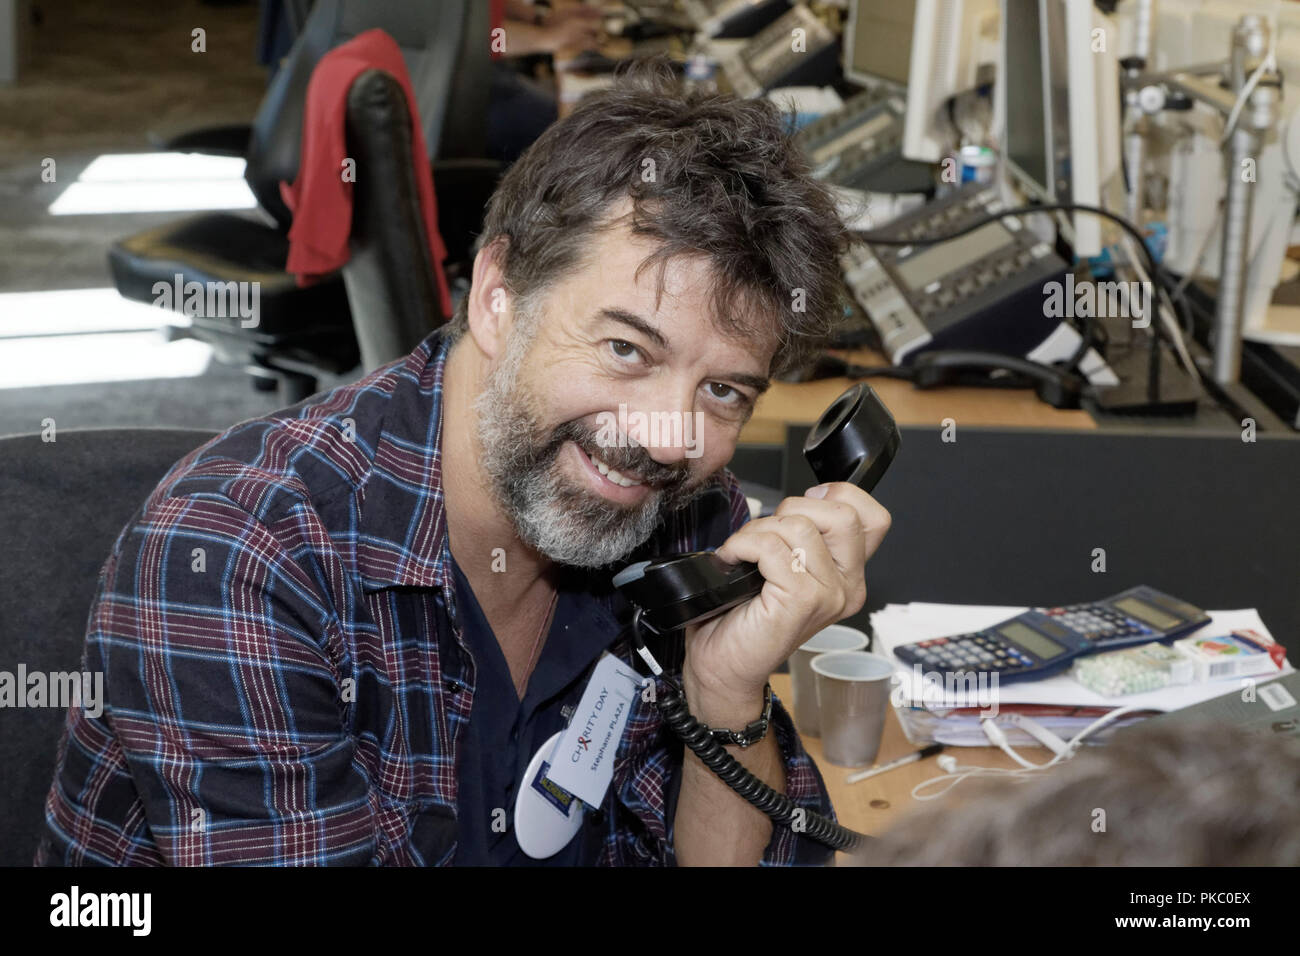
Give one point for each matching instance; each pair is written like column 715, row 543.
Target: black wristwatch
column 753, row 732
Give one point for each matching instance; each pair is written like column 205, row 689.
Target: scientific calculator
column 1042, row 641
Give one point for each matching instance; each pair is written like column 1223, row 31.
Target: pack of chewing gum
column 1190, row 660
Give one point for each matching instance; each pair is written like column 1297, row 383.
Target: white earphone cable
column 956, row 773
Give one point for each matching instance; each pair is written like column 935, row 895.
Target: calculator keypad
column 981, row 651
column 1098, row 623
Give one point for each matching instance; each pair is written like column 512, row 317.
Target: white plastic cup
column 803, row 684
column 852, row 693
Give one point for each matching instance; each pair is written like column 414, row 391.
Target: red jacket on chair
column 320, row 198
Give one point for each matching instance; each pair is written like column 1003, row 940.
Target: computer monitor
column 878, row 42
column 1058, row 92
column 1022, row 77
column 952, row 39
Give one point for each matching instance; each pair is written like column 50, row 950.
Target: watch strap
column 754, row 731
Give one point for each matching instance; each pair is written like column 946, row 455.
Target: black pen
column 921, row 754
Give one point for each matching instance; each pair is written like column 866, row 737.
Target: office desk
column 872, row 806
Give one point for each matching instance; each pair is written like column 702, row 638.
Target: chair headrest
column 446, row 51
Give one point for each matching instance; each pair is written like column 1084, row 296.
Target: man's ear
column 489, row 304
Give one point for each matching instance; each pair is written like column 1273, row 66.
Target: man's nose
column 667, row 432
column 667, row 454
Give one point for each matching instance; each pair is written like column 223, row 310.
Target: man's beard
column 569, row 524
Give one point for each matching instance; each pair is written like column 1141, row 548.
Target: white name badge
column 583, row 761
column 546, row 818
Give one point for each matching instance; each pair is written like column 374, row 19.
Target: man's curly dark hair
column 708, row 175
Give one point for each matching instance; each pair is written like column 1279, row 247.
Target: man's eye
column 727, row 395
column 622, row 349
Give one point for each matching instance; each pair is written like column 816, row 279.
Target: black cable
column 1092, row 335
column 880, row 236
column 671, row 702
column 782, row 810
column 1178, row 296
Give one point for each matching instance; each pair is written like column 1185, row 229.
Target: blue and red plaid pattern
column 265, row 624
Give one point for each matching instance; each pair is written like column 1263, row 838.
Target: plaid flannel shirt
column 274, row 693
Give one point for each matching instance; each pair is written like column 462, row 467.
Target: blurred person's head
column 652, row 260
column 1173, row 794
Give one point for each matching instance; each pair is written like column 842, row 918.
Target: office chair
column 304, row 332
column 62, row 505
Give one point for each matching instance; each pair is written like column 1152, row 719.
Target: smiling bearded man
column 570, row 523
column 408, row 579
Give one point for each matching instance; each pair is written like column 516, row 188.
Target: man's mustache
column 630, row 460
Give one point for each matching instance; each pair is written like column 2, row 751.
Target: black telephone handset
column 854, row 441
